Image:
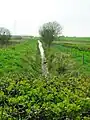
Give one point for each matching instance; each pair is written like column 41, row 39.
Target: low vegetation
column 67, row 38
column 26, row 95
column 4, row 35
column 80, row 53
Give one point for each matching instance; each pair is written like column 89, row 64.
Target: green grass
column 75, row 38
column 21, row 57
column 25, row 94
column 77, row 47
column 77, row 51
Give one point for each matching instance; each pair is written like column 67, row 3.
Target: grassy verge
column 19, row 58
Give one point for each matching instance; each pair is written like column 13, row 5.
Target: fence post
column 83, row 58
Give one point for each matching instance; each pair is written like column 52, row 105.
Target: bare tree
column 49, row 32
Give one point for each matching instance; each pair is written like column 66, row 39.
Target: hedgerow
column 57, row 98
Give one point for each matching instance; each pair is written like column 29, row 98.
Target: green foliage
column 57, row 98
column 26, row 95
column 19, row 58
column 81, row 39
column 77, row 54
column 77, row 46
column 49, row 31
column 4, row 35
column 59, row 63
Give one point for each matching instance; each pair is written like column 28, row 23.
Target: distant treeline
column 19, row 37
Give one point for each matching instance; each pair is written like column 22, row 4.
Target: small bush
column 4, row 35
column 59, row 63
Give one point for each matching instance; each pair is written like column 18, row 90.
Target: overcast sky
column 26, row 16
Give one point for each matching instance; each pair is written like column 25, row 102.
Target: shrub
column 58, row 98
column 4, row 35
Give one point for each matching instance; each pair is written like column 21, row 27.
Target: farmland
column 25, row 94
column 78, row 39
column 45, row 60
column 79, row 49
column 17, row 58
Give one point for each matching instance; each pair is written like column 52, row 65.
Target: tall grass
column 84, row 64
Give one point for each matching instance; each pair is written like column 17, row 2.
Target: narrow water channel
column 43, row 59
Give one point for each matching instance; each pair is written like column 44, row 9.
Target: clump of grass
column 59, row 63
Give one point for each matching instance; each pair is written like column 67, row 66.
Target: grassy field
column 26, row 95
column 17, row 58
column 86, row 39
column 79, row 49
